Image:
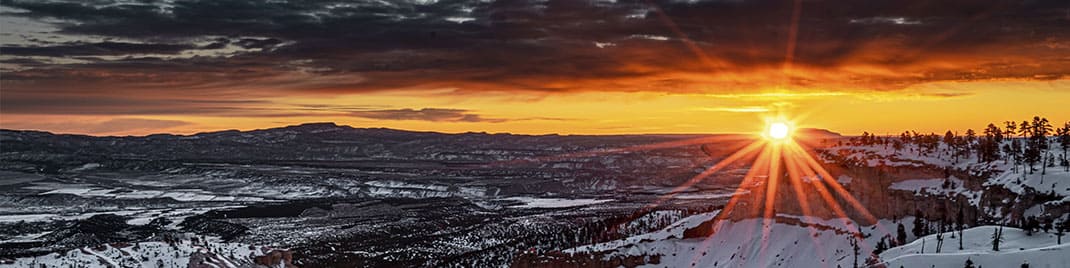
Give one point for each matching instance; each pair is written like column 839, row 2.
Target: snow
column 87, row 166
column 1054, row 180
column 33, row 237
column 1040, row 250
column 140, row 216
column 149, row 254
column 183, row 195
column 706, row 195
column 844, row 179
column 741, row 244
column 674, row 230
column 818, row 243
column 930, row 187
column 536, row 202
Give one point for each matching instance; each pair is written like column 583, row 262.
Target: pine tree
column 1031, row 154
column 856, row 248
column 988, row 148
column 971, row 137
column 1030, row 225
column 901, row 235
column 1009, row 129
column 949, row 140
column 960, row 219
column 997, row 237
column 1064, row 142
column 881, row 247
column 1060, row 231
column 940, row 238
column 1041, row 129
column 919, row 229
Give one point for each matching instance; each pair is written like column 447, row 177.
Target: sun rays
column 784, row 179
column 778, row 161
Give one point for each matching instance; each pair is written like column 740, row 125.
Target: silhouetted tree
column 940, row 238
column 1060, row 231
column 881, row 247
column 960, row 220
column 988, row 148
column 997, row 237
column 1031, row 154
column 971, row 137
column 919, row 229
column 1040, row 130
column 1030, row 225
column 949, row 139
column 1064, row 142
column 856, row 249
column 901, row 235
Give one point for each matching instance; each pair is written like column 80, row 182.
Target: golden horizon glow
column 597, row 113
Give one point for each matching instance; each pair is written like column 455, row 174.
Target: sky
column 135, row 67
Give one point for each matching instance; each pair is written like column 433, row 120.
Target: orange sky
column 973, row 105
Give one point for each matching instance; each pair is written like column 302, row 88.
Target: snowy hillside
column 789, row 241
column 1046, row 176
column 1039, row 250
column 987, row 189
column 188, row 253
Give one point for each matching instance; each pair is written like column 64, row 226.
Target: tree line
column 1025, row 144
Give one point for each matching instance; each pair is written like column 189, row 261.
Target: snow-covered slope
column 788, row 241
column 1039, row 250
column 796, row 241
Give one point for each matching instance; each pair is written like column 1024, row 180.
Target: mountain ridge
column 312, row 126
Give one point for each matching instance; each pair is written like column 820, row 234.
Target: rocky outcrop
column 275, row 258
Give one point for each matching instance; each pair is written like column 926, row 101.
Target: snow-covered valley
column 384, row 198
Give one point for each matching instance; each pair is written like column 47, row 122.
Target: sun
column 778, row 131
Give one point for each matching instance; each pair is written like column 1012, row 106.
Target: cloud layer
column 140, row 56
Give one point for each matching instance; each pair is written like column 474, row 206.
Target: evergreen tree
column 960, row 220
column 1030, row 225
column 1041, row 129
column 881, row 247
column 996, row 132
column 949, row 139
column 988, row 148
column 997, row 237
column 1031, row 154
column 1060, row 231
column 971, row 137
column 940, row 238
column 1009, row 129
column 856, row 249
column 919, row 229
column 901, row 235
column 1064, row 142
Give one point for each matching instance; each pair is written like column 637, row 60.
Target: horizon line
column 388, row 128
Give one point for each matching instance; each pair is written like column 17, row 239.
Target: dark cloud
column 250, row 43
column 426, row 114
column 95, row 49
column 16, row 103
column 544, row 46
